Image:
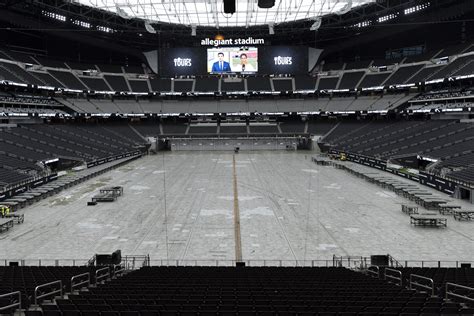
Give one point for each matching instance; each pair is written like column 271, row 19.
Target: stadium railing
column 144, row 261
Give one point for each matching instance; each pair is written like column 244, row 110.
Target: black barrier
column 25, row 187
column 109, row 159
column 435, row 182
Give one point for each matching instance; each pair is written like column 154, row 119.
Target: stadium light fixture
column 105, row 29
column 417, row 8
column 82, row 24
column 388, row 17
column 365, row 23
column 55, row 16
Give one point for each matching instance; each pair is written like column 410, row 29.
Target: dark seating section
column 282, row 84
column 403, row 74
column 11, row 177
column 20, row 73
column 160, row 84
column 289, row 127
column 174, row 128
column 320, row 128
column 305, row 82
column 468, row 69
column 5, row 74
column 207, row 84
column 438, row 139
column 350, row 79
column 451, row 68
column 25, row 279
column 147, row 129
column 258, row 84
column 374, row 80
column 123, row 131
column 68, row 79
column 36, row 142
column 117, row 82
column 15, row 163
column 249, row 291
column 458, row 160
column 424, row 74
column 48, row 79
column 96, row 84
column 234, row 85
column 328, row 83
column 466, row 175
column 233, row 129
column 202, row 129
column 263, row 129
column 183, row 86
column 139, row 85
column 62, row 72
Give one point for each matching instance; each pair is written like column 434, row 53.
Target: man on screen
column 221, row 65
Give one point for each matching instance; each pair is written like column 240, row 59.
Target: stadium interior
column 236, row 157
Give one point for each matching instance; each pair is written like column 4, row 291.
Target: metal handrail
column 392, row 260
column 2, row 308
column 421, row 285
column 103, row 276
column 74, row 278
column 261, row 262
column 392, row 277
column 376, row 273
column 458, row 295
column 60, row 291
column 119, row 269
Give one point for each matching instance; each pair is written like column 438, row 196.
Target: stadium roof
column 210, row 12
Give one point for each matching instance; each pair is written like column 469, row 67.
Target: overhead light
column 149, row 28
column 417, row 8
column 271, row 28
column 55, row 16
column 317, row 24
column 388, row 17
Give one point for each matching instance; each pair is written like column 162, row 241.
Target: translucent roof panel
column 211, row 12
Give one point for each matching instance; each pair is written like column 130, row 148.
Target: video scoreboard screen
column 232, row 60
column 263, row 60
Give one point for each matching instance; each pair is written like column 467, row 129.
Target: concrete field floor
column 181, row 206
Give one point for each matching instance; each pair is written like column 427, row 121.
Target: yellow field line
column 238, row 240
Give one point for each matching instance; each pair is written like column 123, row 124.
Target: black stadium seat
column 248, row 291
